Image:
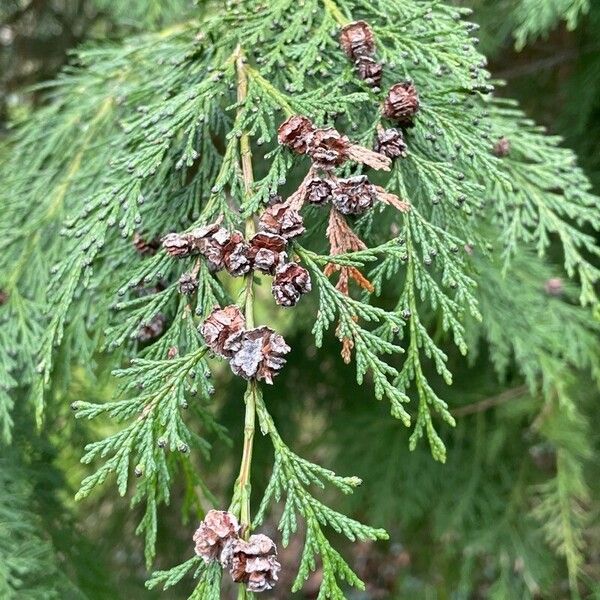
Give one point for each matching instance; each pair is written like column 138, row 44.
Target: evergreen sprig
column 173, row 130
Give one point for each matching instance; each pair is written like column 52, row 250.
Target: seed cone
column 294, row 133
column 402, row 103
column 318, row 191
column 282, row 220
column 210, row 242
column 177, row 244
column 502, row 148
column 390, row 142
column 354, row 195
column 220, row 327
column 267, row 251
column 152, row 329
column 291, row 281
column 145, row 247
column 218, row 528
column 254, row 562
column 328, row 148
column 236, row 255
column 356, row 39
column 257, row 353
column 188, row 284
column 369, row 70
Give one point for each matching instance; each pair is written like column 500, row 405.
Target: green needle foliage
column 172, row 130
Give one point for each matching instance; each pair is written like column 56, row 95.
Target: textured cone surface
column 282, row 220
column 188, row 284
column 390, row 142
column 257, row 353
column 177, row 244
column 217, row 529
column 402, row 103
column 267, row 251
column 145, row 247
column 236, row 255
column 220, row 326
column 354, row 196
column 369, row 70
column 356, row 39
column 295, row 132
column 210, row 242
column 318, row 191
column 254, row 563
column 291, row 281
column 328, row 148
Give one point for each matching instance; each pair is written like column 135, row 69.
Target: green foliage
column 154, row 134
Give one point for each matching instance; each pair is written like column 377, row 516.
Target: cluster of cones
column 256, row 353
column 252, row 562
column 264, row 252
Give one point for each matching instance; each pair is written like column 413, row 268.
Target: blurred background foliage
column 514, row 511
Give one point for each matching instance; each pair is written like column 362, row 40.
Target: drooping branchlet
column 291, row 281
column 220, row 326
column 402, row 103
column 218, row 528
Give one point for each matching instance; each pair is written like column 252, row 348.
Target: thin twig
column 491, row 402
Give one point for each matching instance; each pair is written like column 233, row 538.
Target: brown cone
column 210, row 242
column 151, row 330
column 402, row 103
column 188, row 284
column 145, row 247
column 369, row 70
column 294, row 133
column 220, row 326
column 214, row 532
column 177, row 244
column 318, row 191
column 502, row 148
column 282, row 220
column 257, row 353
column 354, row 196
column 291, row 281
column 254, row 563
column 390, row 142
column 236, row 255
column 328, row 148
column 356, row 39
column 267, row 251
